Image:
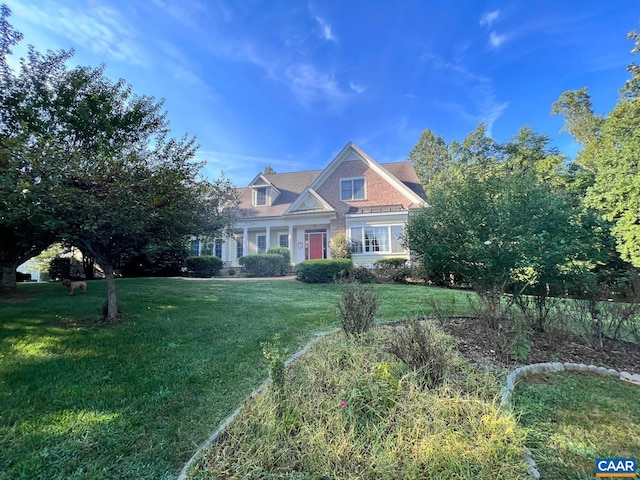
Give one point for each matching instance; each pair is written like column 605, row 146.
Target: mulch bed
column 481, row 346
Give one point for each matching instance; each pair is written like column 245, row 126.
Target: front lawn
column 574, row 418
column 80, row 399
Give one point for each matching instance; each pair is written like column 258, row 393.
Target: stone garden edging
column 225, row 423
column 555, row 367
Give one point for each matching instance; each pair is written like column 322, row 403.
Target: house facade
column 355, row 195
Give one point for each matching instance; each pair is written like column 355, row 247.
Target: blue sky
column 289, row 83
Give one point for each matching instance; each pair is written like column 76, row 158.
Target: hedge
column 263, row 265
column 203, row 266
column 286, row 257
column 323, row 270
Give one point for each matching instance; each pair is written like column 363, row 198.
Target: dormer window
column 261, row 196
column 352, row 189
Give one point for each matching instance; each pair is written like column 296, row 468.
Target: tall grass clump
column 353, row 411
column 357, row 307
column 425, row 349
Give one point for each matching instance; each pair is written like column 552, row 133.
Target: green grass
column 349, row 410
column 574, row 418
column 80, row 399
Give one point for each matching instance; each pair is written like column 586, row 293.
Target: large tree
column 85, row 160
column 28, row 149
column 611, row 153
column 126, row 182
column 429, row 157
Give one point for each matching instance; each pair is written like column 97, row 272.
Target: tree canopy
column 611, row 153
column 93, row 164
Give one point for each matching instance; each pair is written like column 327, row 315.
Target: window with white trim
column 283, row 240
column 239, row 247
column 260, row 196
column 377, row 239
column 194, row 248
column 261, row 241
column 352, row 188
column 217, row 248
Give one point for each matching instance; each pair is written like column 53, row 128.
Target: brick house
column 367, row 201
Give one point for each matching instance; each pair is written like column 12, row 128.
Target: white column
column 291, row 250
column 245, row 242
column 268, row 244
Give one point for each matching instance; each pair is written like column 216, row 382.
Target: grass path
column 79, row 399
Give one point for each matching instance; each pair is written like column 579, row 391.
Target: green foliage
column 357, row 307
column 497, row 230
column 276, row 354
column 156, row 259
column 359, row 274
column 29, row 154
column 286, row 257
column 425, row 349
column 113, row 180
column 263, row 265
column 339, row 247
column 429, row 157
column 616, row 189
column 611, row 148
column 393, row 269
column 59, row 268
column 204, row 266
column 322, row 270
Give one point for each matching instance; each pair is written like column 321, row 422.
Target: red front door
column 316, row 245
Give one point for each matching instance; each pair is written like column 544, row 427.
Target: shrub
column 204, row 266
column 322, row 270
column 360, row 275
column 340, row 246
column 393, row 269
column 425, row 349
column 286, row 257
column 262, row 265
column 357, row 307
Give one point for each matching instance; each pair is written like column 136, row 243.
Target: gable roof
column 293, row 187
column 290, row 185
column 352, row 152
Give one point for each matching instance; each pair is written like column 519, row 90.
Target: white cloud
column 326, row 29
column 100, row 28
column 495, row 40
column 482, row 105
column 357, row 88
column 488, row 18
column 309, row 83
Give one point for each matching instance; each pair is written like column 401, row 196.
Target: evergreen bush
column 323, row 270
column 263, row 265
column 204, row 266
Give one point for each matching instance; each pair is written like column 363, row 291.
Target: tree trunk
column 112, row 302
column 8, row 280
column 88, row 265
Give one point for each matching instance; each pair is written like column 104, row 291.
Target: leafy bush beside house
column 263, row 265
column 286, row 257
column 322, row 270
column 204, row 266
